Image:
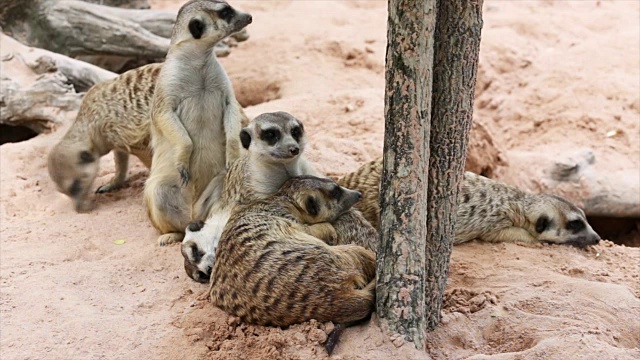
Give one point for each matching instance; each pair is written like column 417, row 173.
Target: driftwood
column 82, row 29
column 37, row 107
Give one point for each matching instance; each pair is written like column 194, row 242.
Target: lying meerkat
column 491, row 211
column 113, row 116
column 195, row 118
column 275, row 144
column 270, row 271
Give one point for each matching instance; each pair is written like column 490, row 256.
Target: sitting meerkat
column 195, row 118
column 271, row 271
column 113, row 116
column 491, row 211
column 275, row 144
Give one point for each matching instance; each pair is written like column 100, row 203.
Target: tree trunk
column 401, row 263
column 457, row 44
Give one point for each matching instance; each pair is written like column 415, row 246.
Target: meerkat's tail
column 334, row 336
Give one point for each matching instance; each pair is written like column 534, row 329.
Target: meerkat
column 275, row 144
column 492, row 211
column 271, row 271
column 195, row 118
column 113, row 116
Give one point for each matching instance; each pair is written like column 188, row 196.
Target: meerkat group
column 278, row 241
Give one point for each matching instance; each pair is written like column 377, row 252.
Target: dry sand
column 554, row 77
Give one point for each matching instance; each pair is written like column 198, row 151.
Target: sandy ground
column 555, row 77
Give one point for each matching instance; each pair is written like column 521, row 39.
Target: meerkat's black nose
column 294, row 150
column 250, row 19
column 358, row 195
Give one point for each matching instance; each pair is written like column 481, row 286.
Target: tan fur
column 492, row 211
column 254, row 176
column 270, row 271
column 113, row 116
column 195, row 118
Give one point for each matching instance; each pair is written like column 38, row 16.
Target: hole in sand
column 622, row 231
column 14, row 134
column 251, row 92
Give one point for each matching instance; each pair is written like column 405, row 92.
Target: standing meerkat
column 275, row 144
column 491, row 211
column 114, row 115
column 270, row 271
column 195, row 118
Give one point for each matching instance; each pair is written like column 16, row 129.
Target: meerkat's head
column 319, row 199
column 198, row 258
column 73, row 168
column 555, row 220
column 276, row 137
column 207, row 22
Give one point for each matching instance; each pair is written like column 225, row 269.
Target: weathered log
column 38, row 106
column 127, row 4
column 80, row 74
column 400, row 296
column 77, row 28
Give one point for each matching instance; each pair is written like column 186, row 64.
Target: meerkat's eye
column 196, row 28
column 312, row 206
column 86, row 157
column 575, row 225
column 196, row 254
column 542, row 224
column 226, row 14
column 270, row 136
column 336, row 192
column 296, row 133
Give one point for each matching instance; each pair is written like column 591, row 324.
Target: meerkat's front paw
column 184, row 175
column 109, row 187
column 323, row 231
column 170, row 238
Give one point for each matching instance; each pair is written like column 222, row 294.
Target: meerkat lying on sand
column 114, row 115
column 491, row 211
column 195, row 118
column 270, row 271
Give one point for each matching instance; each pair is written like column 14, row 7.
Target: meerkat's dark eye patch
column 74, row 189
column 245, row 138
column 270, row 136
column 542, row 224
column 296, row 133
column 336, row 192
column 196, row 28
column 86, row 157
column 576, row 225
column 312, row 206
column 196, row 253
column 226, row 14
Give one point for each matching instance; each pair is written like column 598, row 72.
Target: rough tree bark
column 457, row 45
column 403, row 191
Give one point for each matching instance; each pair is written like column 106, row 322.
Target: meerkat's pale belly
column 203, row 118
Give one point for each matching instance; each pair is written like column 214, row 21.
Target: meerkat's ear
column 311, row 206
column 86, row 157
column 196, row 27
column 245, row 138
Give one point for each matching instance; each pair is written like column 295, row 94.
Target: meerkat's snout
column 351, row 197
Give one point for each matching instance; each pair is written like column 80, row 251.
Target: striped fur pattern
column 491, row 211
column 272, row 270
column 114, row 115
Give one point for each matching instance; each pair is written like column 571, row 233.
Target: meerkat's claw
column 108, row 188
column 170, row 238
column 184, row 175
